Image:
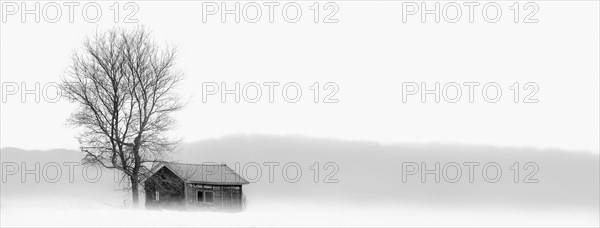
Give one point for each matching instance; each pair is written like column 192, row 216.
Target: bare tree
column 124, row 86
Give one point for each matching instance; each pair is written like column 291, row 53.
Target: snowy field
column 90, row 214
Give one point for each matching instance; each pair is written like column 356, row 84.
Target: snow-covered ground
column 58, row 212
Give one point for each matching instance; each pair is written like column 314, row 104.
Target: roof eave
column 216, row 183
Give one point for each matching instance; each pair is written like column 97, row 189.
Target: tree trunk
column 135, row 172
column 135, row 198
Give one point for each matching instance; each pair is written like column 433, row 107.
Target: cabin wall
column 170, row 189
column 228, row 197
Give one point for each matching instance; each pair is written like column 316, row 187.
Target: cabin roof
column 203, row 173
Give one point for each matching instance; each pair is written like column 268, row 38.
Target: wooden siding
column 174, row 193
column 224, row 196
column 169, row 188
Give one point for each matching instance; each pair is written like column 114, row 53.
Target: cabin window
column 205, row 196
column 200, row 196
column 156, row 195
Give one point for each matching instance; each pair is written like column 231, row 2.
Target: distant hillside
column 367, row 173
column 54, row 176
column 371, row 173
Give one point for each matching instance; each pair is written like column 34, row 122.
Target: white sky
column 368, row 54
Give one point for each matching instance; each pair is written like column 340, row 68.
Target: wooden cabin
column 194, row 187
